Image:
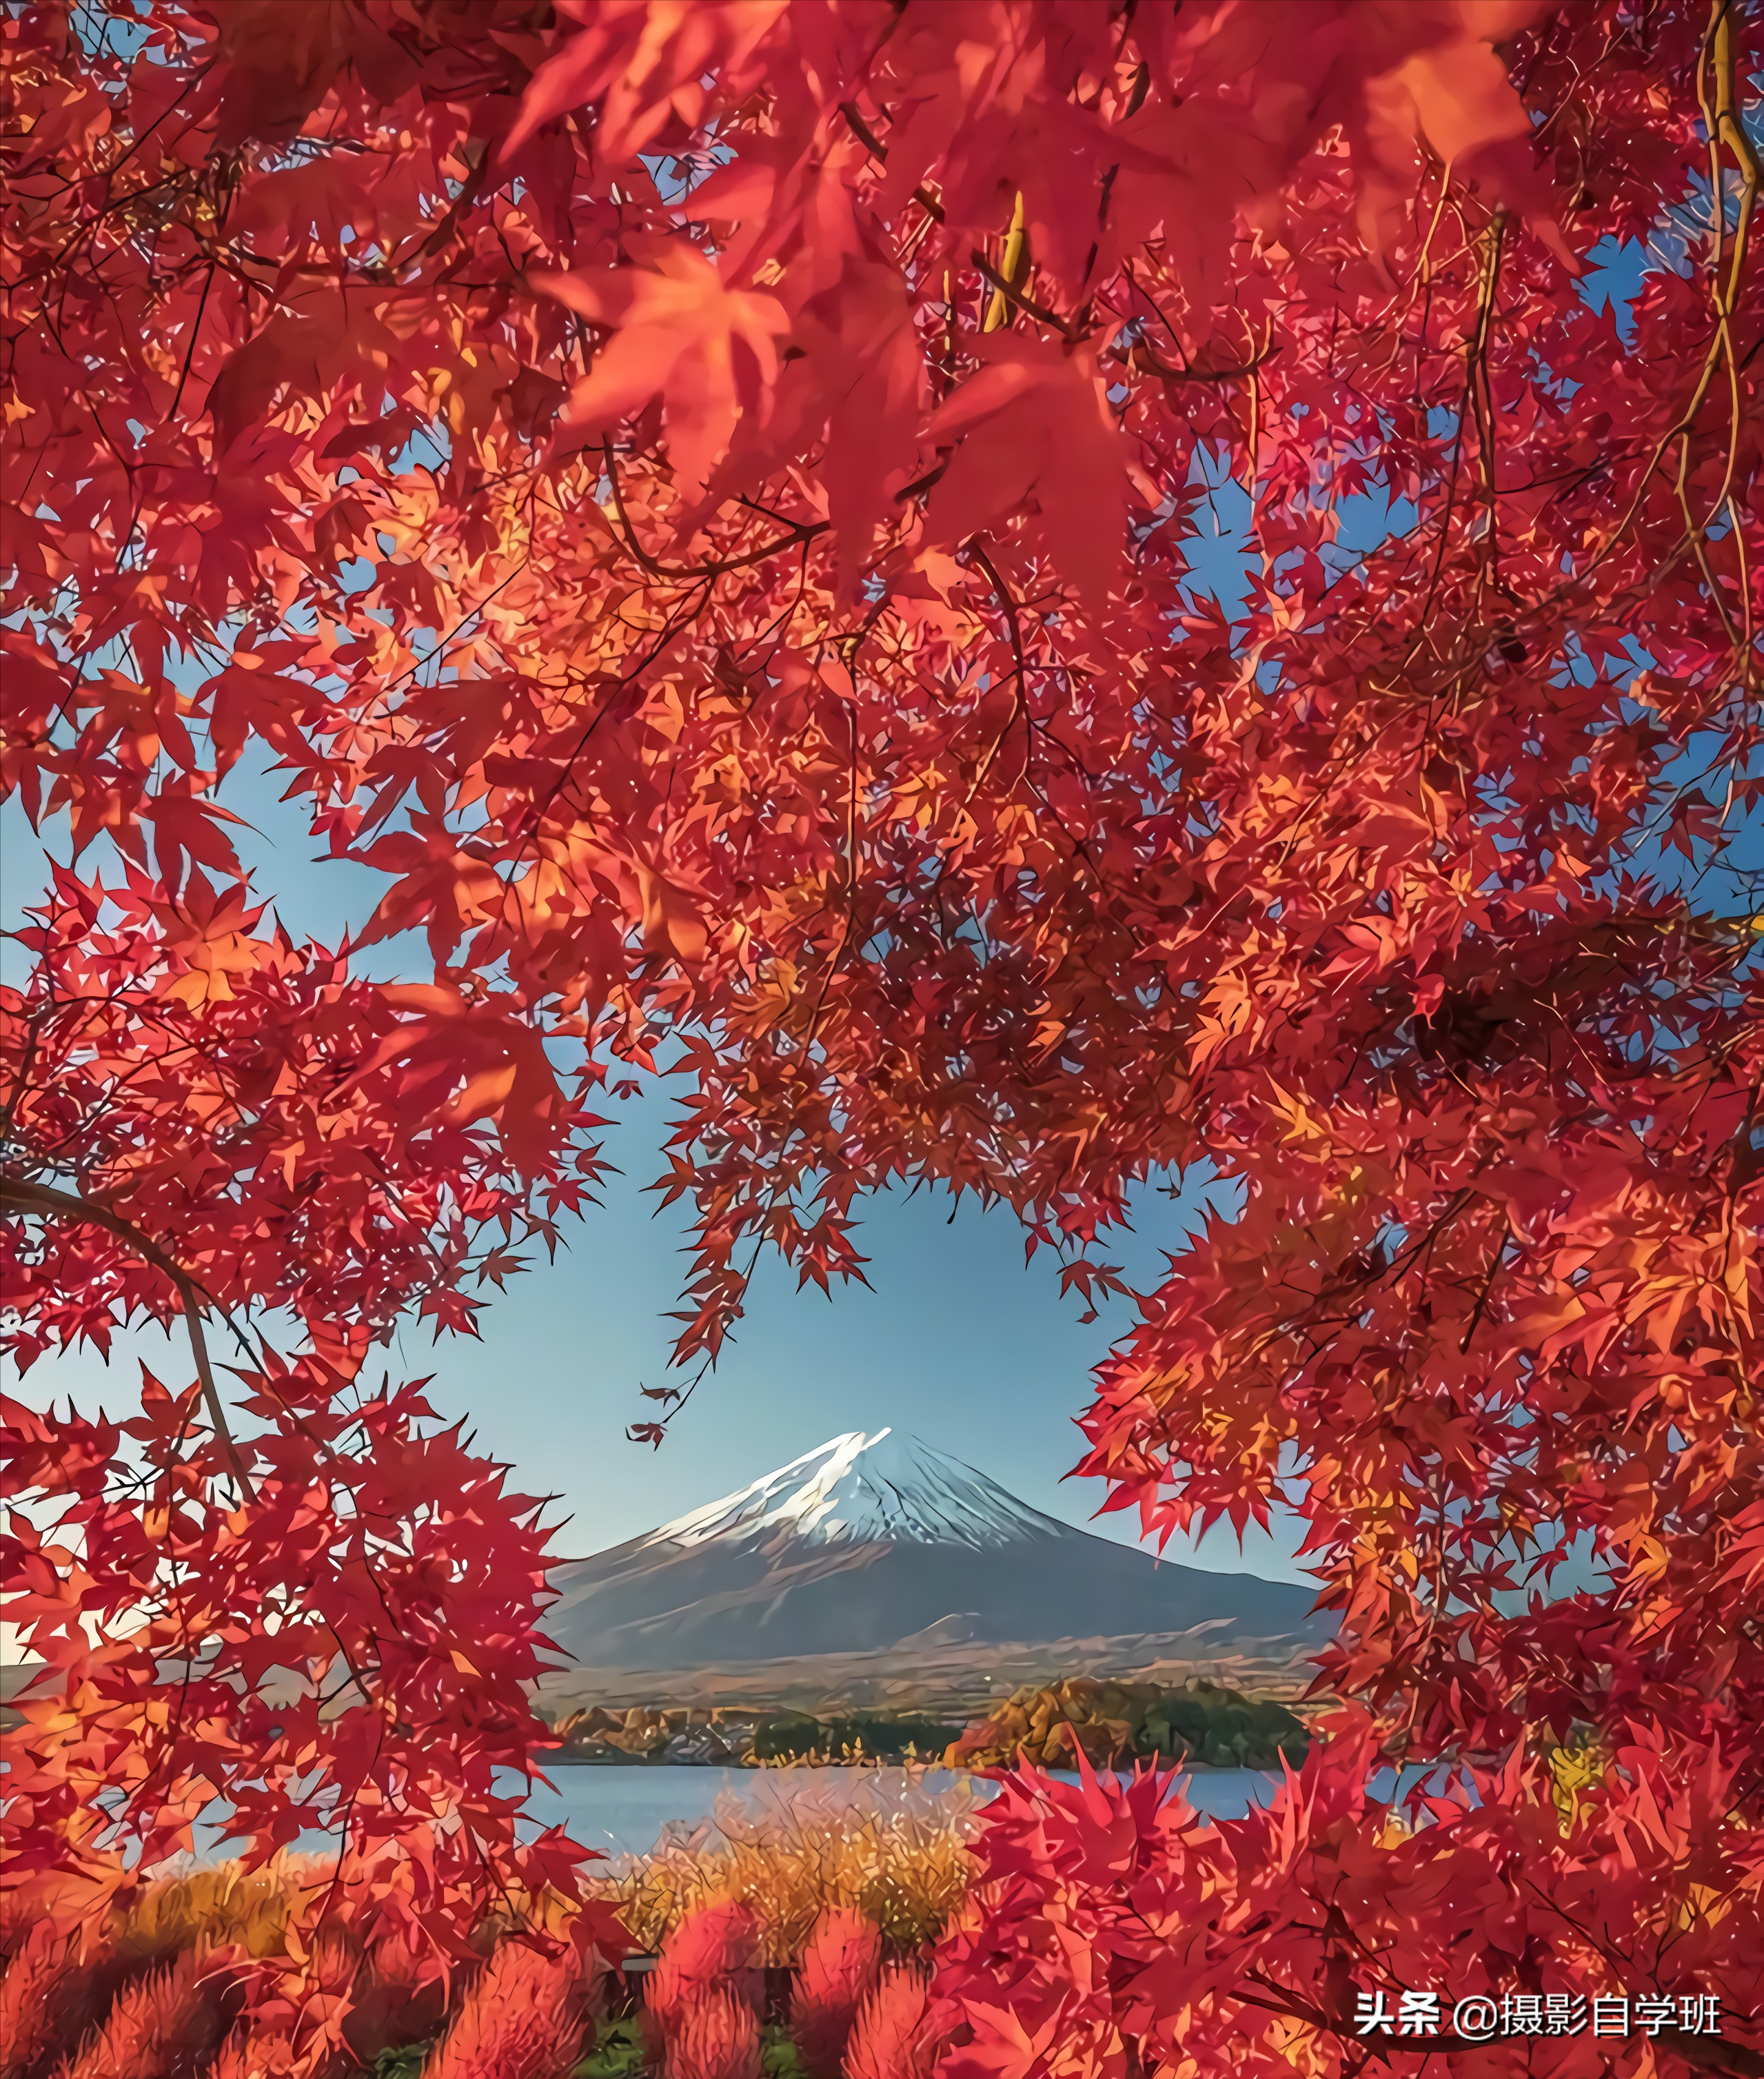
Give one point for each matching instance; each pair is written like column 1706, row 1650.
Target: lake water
column 622, row 1811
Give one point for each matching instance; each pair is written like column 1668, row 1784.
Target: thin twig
column 45, row 1201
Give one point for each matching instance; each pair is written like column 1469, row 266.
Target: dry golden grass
column 890, row 1847
column 210, row 1908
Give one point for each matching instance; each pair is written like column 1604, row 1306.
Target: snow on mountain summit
column 862, row 1490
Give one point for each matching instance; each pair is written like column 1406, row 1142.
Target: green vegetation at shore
column 867, row 1735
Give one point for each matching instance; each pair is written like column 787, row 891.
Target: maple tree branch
column 1008, row 289
column 477, row 153
column 541, row 808
column 878, row 151
column 1019, row 676
column 1722, row 125
column 1137, row 356
column 190, row 350
column 20, row 1082
column 798, row 532
column 1226, row 783
column 850, row 880
column 436, row 655
column 1488, row 1286
column 45, row 1201
column 1482, row 395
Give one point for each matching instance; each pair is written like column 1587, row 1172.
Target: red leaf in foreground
column 1033, row 434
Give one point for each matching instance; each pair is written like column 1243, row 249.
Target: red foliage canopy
column 703, row 498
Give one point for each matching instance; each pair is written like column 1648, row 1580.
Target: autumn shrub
column 46, row 1999
column 250, row 2053
column 892, row 1848
column 56, row 1991
column 526, row 2016
column 715, row 1947
column 395, row 1992
column 400, row 1997
column 308, row 1991
column 162, row 2026
column 17, row 1922
column 893, row 2036
column 714, row 2034
column 840, row 1965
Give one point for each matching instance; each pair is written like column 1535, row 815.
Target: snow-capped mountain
column 861, row 1490
column 876, row 1543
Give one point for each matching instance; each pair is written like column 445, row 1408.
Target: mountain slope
column 872, row 1543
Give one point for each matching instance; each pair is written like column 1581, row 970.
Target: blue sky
column 958, row 1341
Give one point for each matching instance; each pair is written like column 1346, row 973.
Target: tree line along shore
column 1196, row 1724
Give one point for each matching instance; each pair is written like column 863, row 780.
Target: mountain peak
column 864, row 1490
column 878, row 1544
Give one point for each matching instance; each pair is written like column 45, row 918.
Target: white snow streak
column 863, row 1490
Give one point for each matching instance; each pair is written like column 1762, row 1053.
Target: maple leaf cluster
column 1110, row 1913
column 703, row 501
